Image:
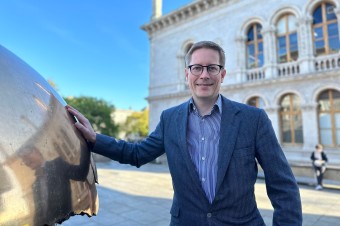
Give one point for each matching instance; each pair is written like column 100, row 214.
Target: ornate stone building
column 282, row 56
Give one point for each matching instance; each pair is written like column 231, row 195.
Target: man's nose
column 205, row 74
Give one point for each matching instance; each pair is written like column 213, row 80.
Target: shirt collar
column 217, row 105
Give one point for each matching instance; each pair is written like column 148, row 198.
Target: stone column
column 305, row 42
column 241, row 57
column 269, row 51
column 310, row 126
column 156, row 9
column 273, row 115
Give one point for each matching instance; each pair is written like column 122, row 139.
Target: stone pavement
column 132, row 197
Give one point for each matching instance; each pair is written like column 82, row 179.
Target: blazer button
column 209, row 215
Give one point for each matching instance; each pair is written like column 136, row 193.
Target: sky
column 92, row 48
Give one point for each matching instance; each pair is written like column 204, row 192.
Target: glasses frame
column 220, row 66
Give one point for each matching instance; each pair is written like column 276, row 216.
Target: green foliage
column 137, row 123
column 97, row 111
column 52, row 83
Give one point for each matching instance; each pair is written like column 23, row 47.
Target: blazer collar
column 228, row 136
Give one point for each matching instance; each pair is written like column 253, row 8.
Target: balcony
column 327, row 62
column 288, row 69
column 318, row 64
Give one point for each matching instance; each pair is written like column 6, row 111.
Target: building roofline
column 181, row 14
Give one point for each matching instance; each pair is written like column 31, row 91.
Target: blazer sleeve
column 282, row 188
column 135, row 154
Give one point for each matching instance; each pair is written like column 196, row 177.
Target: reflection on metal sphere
column 46, row 170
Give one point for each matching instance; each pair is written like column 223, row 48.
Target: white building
column 281, row 55
column 119, row 116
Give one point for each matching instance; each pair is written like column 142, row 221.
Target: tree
column 137, row 123
column 97, row 111
column 52, row 83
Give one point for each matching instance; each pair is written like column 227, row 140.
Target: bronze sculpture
column 47, row 173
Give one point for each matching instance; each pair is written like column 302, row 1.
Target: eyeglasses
column 212, row 69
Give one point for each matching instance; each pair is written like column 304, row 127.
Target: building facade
column 282, row 56
column 119, row 116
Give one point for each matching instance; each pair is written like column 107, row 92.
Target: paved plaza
column 132, row 197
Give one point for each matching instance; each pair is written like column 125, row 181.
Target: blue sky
column 87, row 47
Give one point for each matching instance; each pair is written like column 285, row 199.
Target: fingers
column 72, row 110
column 83, row 124
column 80, row 117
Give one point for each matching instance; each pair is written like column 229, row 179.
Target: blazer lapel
column 182, row 119
column 228, row 135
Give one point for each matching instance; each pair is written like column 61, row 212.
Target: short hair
column 318, row 146
column 206, row 45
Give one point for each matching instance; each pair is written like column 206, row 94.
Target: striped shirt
column 203, row 140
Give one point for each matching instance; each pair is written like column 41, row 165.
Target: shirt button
column 202, row 138
column 203, row 179
column 203, row 158
column 209, row 215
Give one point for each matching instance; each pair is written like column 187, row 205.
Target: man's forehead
column 205, row 54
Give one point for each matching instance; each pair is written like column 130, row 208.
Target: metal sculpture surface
column 46, row 171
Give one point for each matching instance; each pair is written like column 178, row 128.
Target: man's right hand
column 83, row 125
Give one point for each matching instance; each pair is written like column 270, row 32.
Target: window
column 325, row 30
column 254, row 47
column 291, row 120
column 287, row 41
column 329, row 118
column 256, row 102
column 186, row 50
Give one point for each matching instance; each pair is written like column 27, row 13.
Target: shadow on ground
column 123, row 200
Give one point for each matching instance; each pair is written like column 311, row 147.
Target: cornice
column 182, row 14
column 176, row 95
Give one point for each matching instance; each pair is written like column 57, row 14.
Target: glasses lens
column 213, row 69
column 196, row 69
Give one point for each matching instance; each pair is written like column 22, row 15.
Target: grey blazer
column 246, row 137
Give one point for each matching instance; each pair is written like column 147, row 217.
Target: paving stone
column 136, row 197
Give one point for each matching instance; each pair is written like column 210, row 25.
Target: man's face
column 33, row 159
column 205, row 86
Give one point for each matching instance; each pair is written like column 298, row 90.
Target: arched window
column 254, row 46
column 329, row 118
column 291, row 119
column 185, row 51
column 256, row 102
column 325, row 30
column 287, row 41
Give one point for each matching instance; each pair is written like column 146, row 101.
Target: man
column 52, row 186
column 212, row 145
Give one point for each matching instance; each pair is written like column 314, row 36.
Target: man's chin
column 205, row 96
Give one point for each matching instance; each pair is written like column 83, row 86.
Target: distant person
column 319, row 160
column 52, row 187
column 212, row 144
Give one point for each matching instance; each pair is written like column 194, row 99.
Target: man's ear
column 186, row 74
column 223, row 74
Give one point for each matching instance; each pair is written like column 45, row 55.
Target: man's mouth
column 204, row 84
